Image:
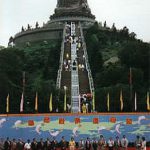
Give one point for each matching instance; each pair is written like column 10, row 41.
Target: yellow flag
column 108, row 101
column 7, row 104
column 50, row 103
column 121, row 101
column 93, row 101
column 36, row 102
column 148, row 101
column 65, row 99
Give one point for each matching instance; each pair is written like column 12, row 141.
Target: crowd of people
column 87, row 144
column 72, row 38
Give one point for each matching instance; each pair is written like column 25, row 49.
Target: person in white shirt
column 143, row 147
column 124, row 143
column 110, row 143
column 138, row 143
column 27, row 145
column 81, row 144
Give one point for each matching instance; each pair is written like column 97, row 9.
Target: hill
column 112, row 54
column 39, row 62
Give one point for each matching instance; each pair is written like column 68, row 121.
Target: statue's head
column 71, row 3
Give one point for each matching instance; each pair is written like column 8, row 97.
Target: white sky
column 135, row 14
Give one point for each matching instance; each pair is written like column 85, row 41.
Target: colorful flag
column 7, row 104
column 23, row 79
column 148, row 101
column 36, row 102
column 108, row 101
column 50, row 103
column 21, row 103
column 121, row 101
column 130, row 76
column 65, row 99
column 135, row 102
column 93, row 98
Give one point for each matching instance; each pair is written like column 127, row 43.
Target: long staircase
column 74, row 70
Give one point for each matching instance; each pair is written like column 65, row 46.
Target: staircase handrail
column 86, row 61
column 58, row 82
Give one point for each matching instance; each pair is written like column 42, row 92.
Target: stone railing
column 72, row 18
column 58, row 82
column 87, row 62
column 40, row 29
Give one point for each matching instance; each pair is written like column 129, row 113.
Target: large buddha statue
column 70, row 3
column 72, row 8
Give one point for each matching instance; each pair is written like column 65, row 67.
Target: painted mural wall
column 78, row 126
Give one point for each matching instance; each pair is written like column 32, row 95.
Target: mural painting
column 77, row 126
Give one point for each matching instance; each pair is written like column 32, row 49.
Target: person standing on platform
column 1, row 144
column 110, row 143
column 138, row 143
column 124, row 143
column 72, row 144
column 94, row 144
column 47, row 144
column 27, row 145
column 81, row 144
column 143, row 147
column 13, row 144
column 88, row 144
column 20, row 144
column 7, row 144
column 101, row 143
column 54, row 144
column 40, row 144
column 117, row 143
column 34, row 144
column 63, row 143
column 84, row 109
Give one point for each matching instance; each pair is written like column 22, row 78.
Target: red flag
column 36, row 102
column 21, row 103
